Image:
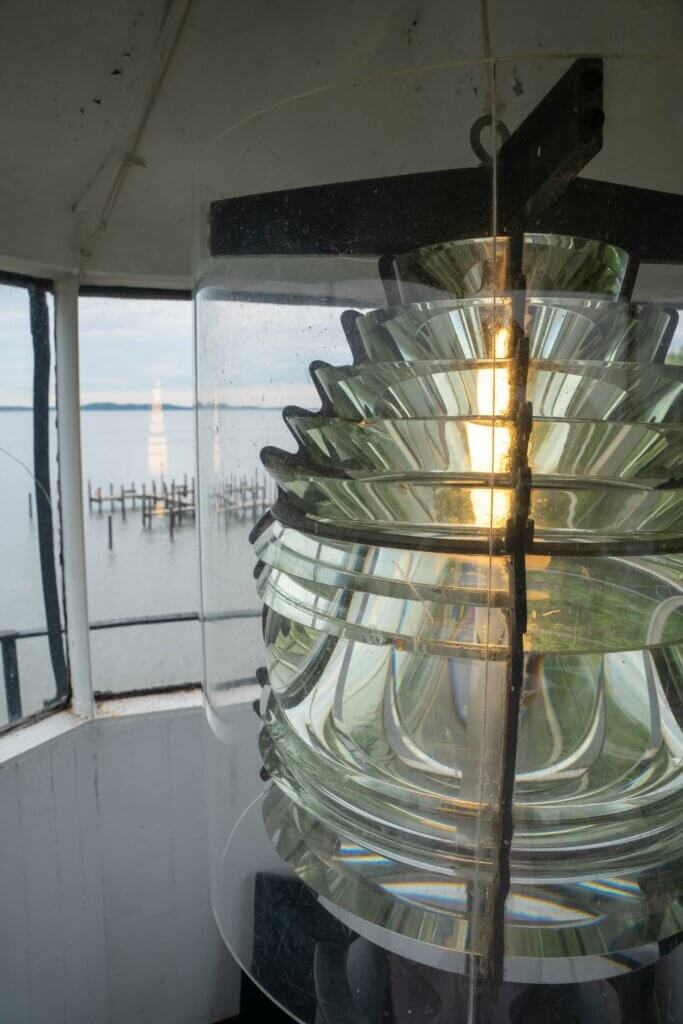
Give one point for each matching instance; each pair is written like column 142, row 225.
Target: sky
column 16, row 365
column 260, row 352
column 126, row 346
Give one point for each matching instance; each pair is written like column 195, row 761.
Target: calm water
column 146, row 573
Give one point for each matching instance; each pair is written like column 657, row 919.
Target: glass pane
column 34, row 671
column 471, row 580
column 137, row 425
column 381, row 381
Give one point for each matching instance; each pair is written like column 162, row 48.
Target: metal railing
column 10, row 661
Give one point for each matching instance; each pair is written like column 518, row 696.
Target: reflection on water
column 146, row 573
column 157, row 448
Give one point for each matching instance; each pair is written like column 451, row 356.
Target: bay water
column 146, row 572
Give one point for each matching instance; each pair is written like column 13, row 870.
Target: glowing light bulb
column 489, row 446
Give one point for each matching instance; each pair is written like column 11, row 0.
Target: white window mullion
column 71, row 492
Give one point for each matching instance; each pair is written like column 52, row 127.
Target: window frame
column 73, row 563
column 11, row 680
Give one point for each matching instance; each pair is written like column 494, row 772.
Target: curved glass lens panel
column 468, row 549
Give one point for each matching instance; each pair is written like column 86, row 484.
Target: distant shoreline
column 143, row 407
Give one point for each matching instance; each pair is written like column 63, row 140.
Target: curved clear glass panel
column 465, row 392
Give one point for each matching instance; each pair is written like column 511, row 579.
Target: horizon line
column 142, row 407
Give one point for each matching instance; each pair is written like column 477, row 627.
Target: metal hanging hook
column 486, row 121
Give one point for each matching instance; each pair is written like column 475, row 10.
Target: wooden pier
column 240, row 497
column 175, row 502
column 237, row 498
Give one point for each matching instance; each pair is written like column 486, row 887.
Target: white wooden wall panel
column 14, row 943
column 104, row 882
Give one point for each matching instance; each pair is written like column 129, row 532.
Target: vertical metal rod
column 42, row 359
column 123, row 503
column 10, row 667
column 30, row 505
column 517, row 536
column 71, row 493
column 110, row 532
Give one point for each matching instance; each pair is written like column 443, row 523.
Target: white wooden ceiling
column 106, row 106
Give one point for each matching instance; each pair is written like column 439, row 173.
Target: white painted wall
column 104, row 891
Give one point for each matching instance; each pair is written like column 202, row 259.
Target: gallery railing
column 10, row 662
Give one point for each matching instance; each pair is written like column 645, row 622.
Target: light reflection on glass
column 388, row 612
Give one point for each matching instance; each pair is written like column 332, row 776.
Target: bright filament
column 489, row 446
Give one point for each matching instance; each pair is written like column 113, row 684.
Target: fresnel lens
column 390, row 607
column 473, row 605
